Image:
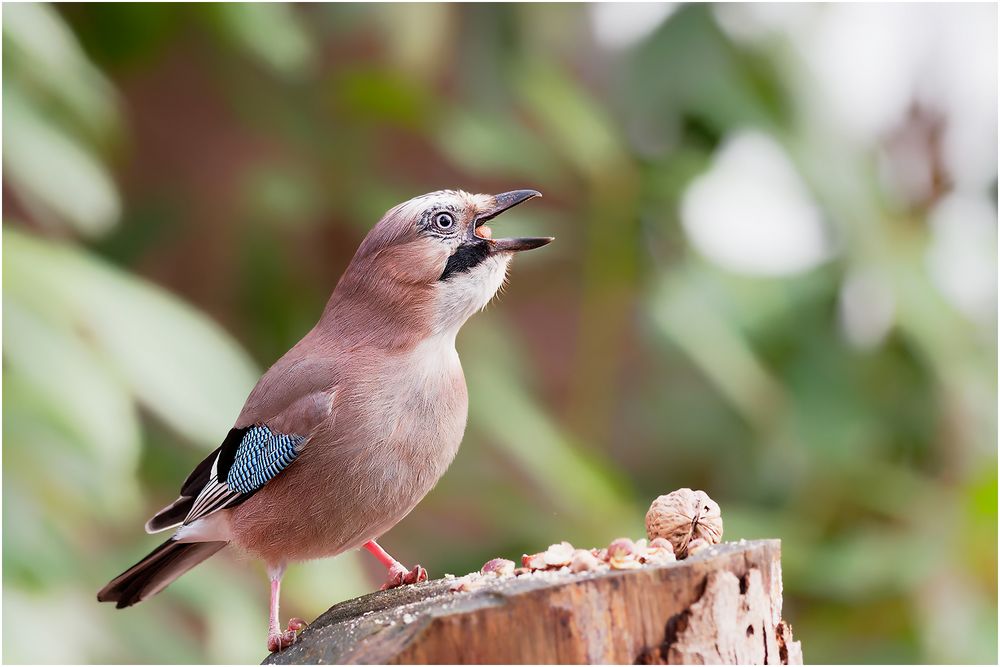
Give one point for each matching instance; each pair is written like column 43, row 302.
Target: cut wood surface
column 721, row 605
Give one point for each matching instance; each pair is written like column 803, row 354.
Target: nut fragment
column 659, row 557
column 468, row 583
column 621, row 548
column 558, row 555
column 696, row 545
column 683, row 516
column 498, row 567
column 533, row 561
column 659, row 552
column 555, row 557
column 661, row 543
column 622, row 554
column 583, row 561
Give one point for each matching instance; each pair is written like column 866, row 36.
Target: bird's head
column 436, row 253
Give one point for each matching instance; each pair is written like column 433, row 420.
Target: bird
column 345, row 433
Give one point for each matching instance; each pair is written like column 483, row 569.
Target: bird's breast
column 411, row 408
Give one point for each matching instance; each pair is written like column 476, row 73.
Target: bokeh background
column 775, row 279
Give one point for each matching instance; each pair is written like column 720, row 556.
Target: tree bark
column 721, row 605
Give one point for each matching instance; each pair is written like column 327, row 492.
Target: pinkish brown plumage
column 349, row 430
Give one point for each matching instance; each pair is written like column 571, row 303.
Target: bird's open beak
column 502, row 202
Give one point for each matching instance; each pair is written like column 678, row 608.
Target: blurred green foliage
column 176, row 172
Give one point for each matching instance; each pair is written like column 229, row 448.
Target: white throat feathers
column 465, row 293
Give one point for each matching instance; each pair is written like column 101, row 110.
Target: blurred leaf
column 272, row 33
column 52, row 170
column 44, row 57
column 499, row 405
column 571, row 119
column 125, row 34
column 40, row 555
column 77, row 387
column 687, row 314
column 371, row 95
column 60, row 610
column 490, row 145
column 182, row 367
column 416, row 35
column 726, row 88
column 281, row 195
column 868, row 564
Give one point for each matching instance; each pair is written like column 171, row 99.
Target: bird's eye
column 444, row 220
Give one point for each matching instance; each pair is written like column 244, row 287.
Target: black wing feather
column 225, row 452
column 175, row 513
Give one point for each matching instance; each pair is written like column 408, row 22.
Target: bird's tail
column 154, row 572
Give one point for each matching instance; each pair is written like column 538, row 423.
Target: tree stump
column 721, row 605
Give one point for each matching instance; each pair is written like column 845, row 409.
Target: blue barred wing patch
column 262, row 454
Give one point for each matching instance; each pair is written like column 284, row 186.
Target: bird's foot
column 277, row 640
column 399, row 575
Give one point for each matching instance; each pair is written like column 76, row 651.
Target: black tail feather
column 171, row 515
column 154, row 572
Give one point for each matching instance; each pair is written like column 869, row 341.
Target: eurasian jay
column 349, row 430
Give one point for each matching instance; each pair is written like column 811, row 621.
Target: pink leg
column 398, row 574
column 276, row 639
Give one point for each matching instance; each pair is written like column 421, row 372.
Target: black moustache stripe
column 466, row 257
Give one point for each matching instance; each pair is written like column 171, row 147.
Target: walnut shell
column 682, row 516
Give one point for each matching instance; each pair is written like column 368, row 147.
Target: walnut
column 682, row 516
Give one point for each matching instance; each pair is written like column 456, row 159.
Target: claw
column 277, row 641
column 416, row 575
column 399, row 576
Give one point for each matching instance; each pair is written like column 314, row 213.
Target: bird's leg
column 276, row 639
column 398, row 574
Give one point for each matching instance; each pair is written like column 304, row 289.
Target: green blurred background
column 774, row 280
